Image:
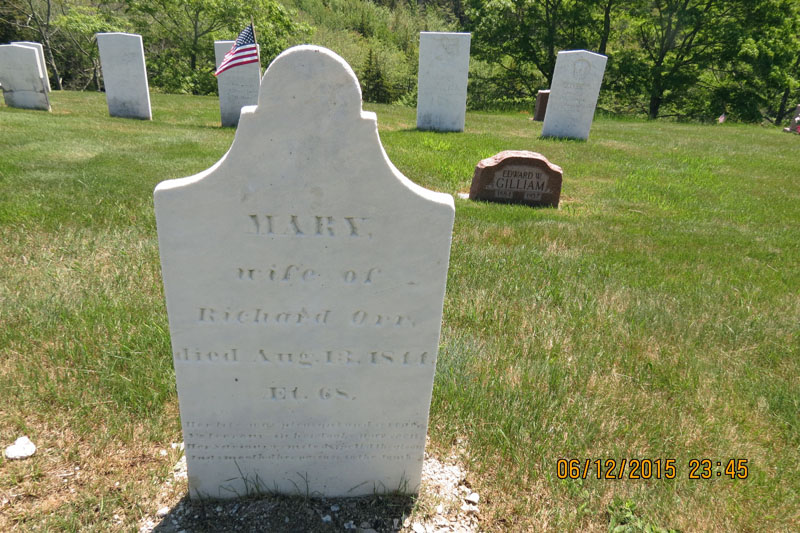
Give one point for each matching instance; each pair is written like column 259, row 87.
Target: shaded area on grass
column 284, row 514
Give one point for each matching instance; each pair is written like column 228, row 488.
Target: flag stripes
column 244, row 51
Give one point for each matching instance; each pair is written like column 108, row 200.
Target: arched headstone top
column 311, row 70
column 308, row 133
column 577, row 77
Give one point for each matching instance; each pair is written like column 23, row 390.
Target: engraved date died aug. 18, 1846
column 305, row 359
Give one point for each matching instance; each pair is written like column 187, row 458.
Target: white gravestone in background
column 573, row 94
column 124, row 75
column 238, row 86
column 304, row 279
column 22, row 78
column 442, row 81
column 40, row 51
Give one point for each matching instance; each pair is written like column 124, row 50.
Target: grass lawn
column 655, row 315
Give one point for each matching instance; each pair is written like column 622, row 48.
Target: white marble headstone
column 40, row 51
column 22, row 78
column 304, row 279
column 442, row 82
column 238, row 86
column 124, row 75
column 573, row 94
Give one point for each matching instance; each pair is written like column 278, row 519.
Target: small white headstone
column 442, row 83
column 40, row 51
column 124, row 75
column 304, row 278
column 238, row 86
column 573, row 94
column 22, row 78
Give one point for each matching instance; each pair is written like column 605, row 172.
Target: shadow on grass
column 562, row 139
column 284, row 514
column 436, row 132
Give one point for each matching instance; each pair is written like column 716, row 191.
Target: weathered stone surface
column 442, row 83
column 541, row 105
column 124, row 75
column 304, row 280
column 22, row 78
column 573, row 94
column 42, row 62
column 238, row 87
column 517, row 177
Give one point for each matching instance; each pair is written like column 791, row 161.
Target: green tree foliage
column 517, row 34
column 758, row 76
column 678, row 39
column 374, row 86
column 389, row 30
column 690, row 59
column 77, row 51
column 686, row 58
column 180, row 36
column 33, row 20
column 700, row 58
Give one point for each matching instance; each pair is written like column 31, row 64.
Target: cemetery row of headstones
column 441, row 97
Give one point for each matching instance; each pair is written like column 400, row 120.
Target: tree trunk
column 95, row 74
column 52, row 62
column 606, row 27
column 655, row 104
column 656, row 95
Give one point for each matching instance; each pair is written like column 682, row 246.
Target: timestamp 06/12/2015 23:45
column 634, row 469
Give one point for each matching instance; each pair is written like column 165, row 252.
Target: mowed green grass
column 654, row 315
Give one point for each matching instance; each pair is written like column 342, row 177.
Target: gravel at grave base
column 444, row 489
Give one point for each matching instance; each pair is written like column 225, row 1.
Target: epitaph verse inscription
column 304, row 307
column 518, row 177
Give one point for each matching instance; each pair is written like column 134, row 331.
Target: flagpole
column 258, row 48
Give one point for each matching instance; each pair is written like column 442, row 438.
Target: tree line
column 689, row 59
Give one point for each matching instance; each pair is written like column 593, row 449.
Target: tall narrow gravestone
column 573, row 94
column 238, row 87
column 124, row 75
column 304, row 279
column 442, row 83
column 40, row 52
column 22, row 78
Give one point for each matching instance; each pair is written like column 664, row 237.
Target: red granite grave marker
column 517, row 177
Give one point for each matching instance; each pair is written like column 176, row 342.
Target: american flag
column 245, row 50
